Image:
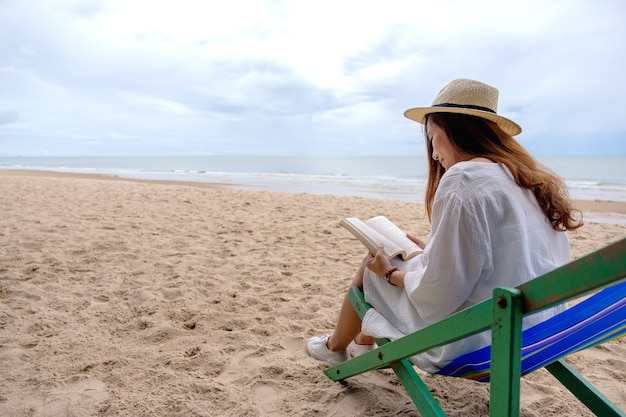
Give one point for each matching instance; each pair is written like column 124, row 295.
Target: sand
column 137, row 298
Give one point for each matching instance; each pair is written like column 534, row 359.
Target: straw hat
column 467, row 97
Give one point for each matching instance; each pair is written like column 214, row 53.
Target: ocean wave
column 401, row 178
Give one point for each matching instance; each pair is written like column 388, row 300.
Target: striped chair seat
column 597, row 319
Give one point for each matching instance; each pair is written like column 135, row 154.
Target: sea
column 400, row 177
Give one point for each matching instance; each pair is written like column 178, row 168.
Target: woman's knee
column 358, row 277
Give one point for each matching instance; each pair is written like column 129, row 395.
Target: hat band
column 465, row 106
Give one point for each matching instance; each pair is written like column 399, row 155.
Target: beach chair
column 514, row 352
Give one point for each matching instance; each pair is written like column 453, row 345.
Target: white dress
column 486, row 232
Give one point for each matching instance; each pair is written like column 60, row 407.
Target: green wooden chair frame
column 503, row 315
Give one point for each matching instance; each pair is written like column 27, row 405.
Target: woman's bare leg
column 349, row 323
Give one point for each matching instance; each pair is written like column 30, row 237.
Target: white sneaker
column 316, row 348
column 355, row 350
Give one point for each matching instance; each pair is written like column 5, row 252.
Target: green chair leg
column 417, row 390
column 583, row 390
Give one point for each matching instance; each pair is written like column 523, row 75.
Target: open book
column 380, row 229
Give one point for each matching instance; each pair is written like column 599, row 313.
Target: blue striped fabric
column 599, row 318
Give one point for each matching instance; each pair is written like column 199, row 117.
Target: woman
column 497, row 219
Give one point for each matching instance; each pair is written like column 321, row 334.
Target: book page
column 369, row 236
column 393, row 233
column 381, row 230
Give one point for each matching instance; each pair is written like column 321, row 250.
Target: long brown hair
column 473, row 136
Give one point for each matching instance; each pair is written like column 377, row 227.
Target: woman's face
column 443, row 152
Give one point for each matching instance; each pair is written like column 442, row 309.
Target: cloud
column 151, row 77
column 8, row 116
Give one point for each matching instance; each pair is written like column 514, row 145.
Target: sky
column 329, row 77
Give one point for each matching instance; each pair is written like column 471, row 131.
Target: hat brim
column 419, row 115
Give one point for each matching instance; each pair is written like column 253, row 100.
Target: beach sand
column 138, row 298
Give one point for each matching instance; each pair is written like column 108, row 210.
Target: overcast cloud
column 139, row 77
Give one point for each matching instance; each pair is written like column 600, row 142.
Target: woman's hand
column 417, row 241
column 378, row 263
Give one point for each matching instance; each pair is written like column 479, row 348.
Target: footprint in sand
column 266, row 398
column 246, row 359
column 252, row 362
column 8, row 352
column 78, row 396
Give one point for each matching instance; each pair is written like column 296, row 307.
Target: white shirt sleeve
column 453, row 261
